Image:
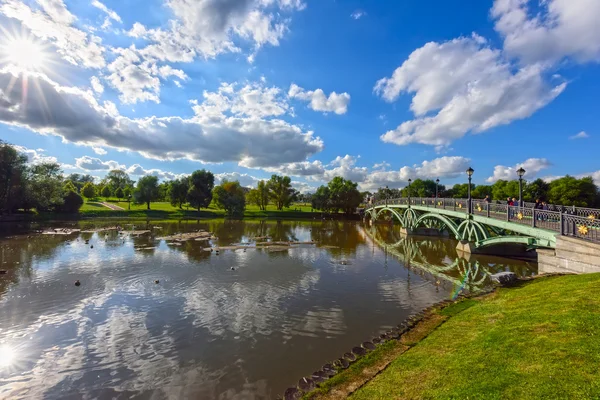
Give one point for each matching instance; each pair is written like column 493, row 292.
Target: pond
column 166, row 319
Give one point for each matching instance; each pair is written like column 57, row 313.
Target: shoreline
column 369, row 370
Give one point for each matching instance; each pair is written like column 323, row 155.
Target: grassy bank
column 165, row 211
column 538, row 340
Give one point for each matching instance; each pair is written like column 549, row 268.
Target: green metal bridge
column 479, row 224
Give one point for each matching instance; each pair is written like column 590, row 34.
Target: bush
column 72, row 202
column 88, row 191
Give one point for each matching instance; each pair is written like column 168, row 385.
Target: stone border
column 308, row 384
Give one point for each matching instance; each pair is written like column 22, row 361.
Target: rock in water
column 157, row 281
column 77, row 283
column 359, row 351
column 504, row 278
column 306, row 384
column 292, row 394
column 368, row 346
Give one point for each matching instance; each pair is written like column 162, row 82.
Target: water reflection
column 205, row 331
column 438, row 259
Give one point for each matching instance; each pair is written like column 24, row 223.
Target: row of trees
column 568, row 190
column 39, row 186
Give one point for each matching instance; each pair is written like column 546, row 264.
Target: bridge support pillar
column 466, row 247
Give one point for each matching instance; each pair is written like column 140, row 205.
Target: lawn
column 165, row 210
column 537, row 341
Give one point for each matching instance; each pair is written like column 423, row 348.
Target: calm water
column 206, row 331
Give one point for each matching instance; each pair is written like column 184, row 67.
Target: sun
column 7, row 356
column 24, row 53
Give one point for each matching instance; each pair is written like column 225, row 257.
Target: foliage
column 13, row 168
column 572, row 191
column 45, row 188
column 459, row 191
column 72, row 202
column 231, row 197
column 80, row 180
column 339, row 194
column 128, row 191
column 423, row 188
column 146, row 190
column 259, row 196
column 281, row 191
column 89, row 190
column 200, row 192
column 69, row 186
column 502, row 189
column 178, row 191
column 119, row 193
column 344, row 195
column 118, row 179
column 105, row 191
column 536, row 190
column 321, row 200
column 387, row 193
column 480, row 191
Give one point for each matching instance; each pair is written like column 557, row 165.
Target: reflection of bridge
column 489, row 224
column 439, row 260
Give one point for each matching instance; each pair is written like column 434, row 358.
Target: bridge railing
column 580, row 222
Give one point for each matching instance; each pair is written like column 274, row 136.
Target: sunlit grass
column 537, row 341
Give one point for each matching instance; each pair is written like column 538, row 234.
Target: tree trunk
column 148, row 204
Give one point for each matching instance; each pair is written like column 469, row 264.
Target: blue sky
column 374, row 91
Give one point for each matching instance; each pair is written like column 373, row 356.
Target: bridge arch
column 472, row 231
column 445, row 220
column 394, row 212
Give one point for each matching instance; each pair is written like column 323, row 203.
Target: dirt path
column 111, row 206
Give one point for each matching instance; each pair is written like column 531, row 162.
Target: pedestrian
column 515, row 202
column 509, row 201
column 487, row 198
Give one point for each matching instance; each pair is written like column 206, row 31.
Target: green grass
column 164, row 210
column 540, row 340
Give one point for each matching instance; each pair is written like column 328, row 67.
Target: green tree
column 253, row 197
column 13, row 177
column 344, row 195
column 231, row 197
column 45, row 189
column 88, row 191
column 178, row 192
column 321, row 200
column 503, row 189
column 569, row 191
column 128, row 191
column 146, row 190
column 163, row 191
column 281, row 191
column 480, row 191
column 105, row 191
column 80, row 180
column 119, row 193
column 537, row 189
column 387, row 193
column 263, row 194
column 460, row 191
column 422, row 188
column 200, row 192
column 72, row 202
column 118, row 179
column 69, row 185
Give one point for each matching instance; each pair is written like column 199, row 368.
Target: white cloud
column 87, row 163
column 443, row 167
column 138, row 170
column 111, row 14
column 580, row 135
column 53, row 23
column 35, row 156
column 99, row 150
column 381, row 165
column 337, row 103
column 224, row 129
column 358, row 14
column 561, row 28
column 96, row 85
column 532, row 166
column 468, row 86
column 244, row 179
